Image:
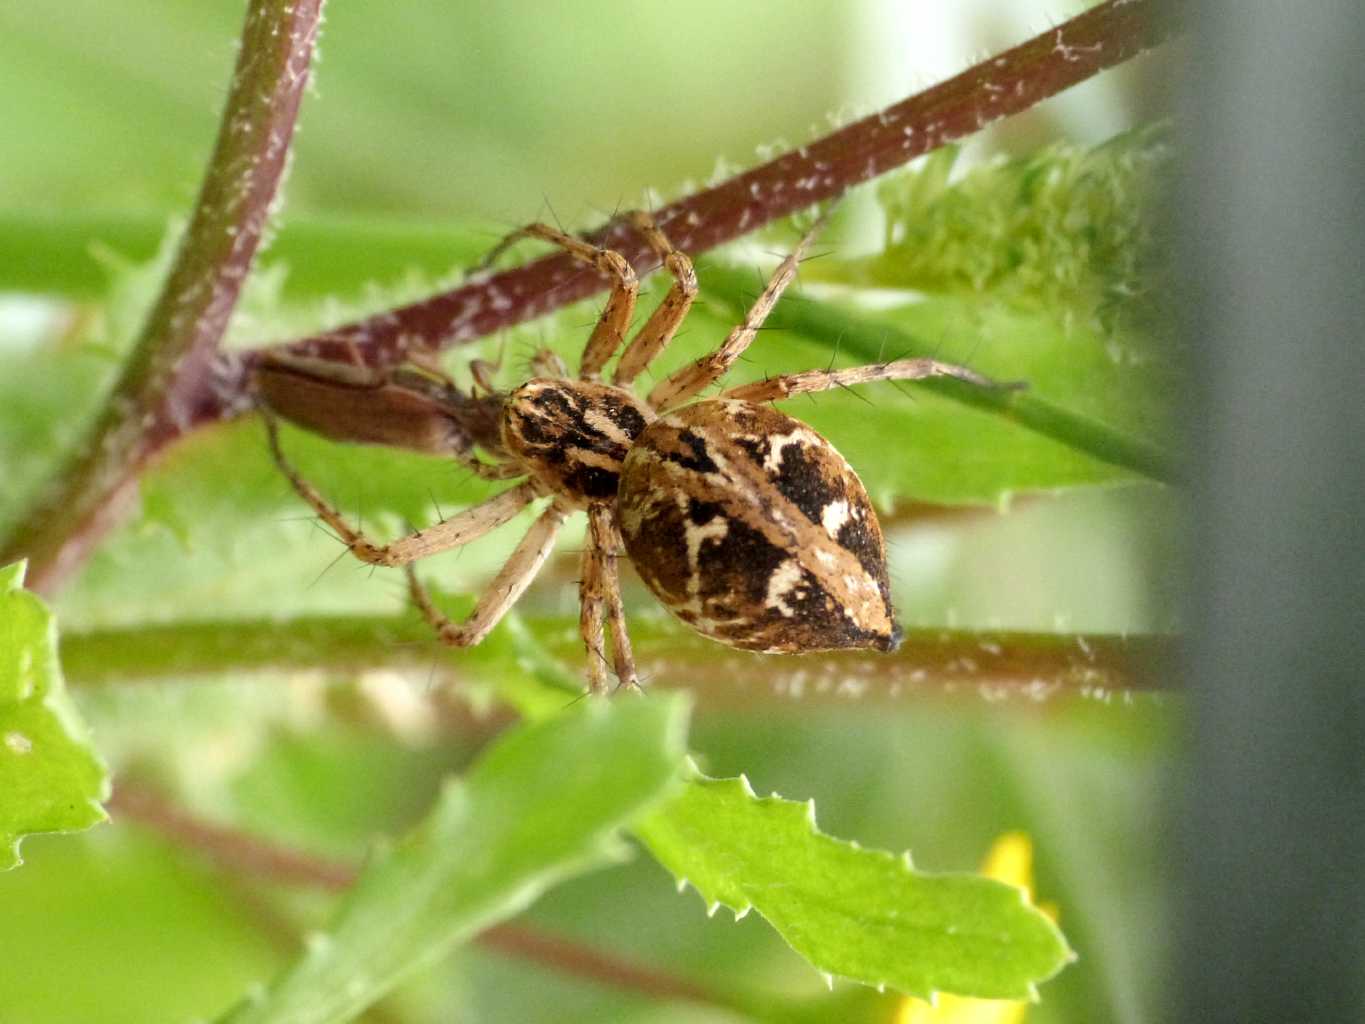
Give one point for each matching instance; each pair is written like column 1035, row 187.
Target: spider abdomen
column 751, row 528
column 573, row 435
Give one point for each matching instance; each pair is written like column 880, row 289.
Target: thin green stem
column 931, row 662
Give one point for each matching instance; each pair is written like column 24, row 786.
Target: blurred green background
column 439, row 125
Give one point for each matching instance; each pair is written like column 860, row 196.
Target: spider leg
column 469, row 525
column 611, row 327
column 484, row 374
column 663, row 323
column 591, row 607
column 789, row 384
column 546, row 363
column 691, row 379
column 492, row 470
column 507, row 586
column 606, row 542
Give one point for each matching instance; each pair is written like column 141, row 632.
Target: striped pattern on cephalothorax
column 752, row 529
column 572, row 435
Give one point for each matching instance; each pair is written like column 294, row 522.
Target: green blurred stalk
column 68, row 255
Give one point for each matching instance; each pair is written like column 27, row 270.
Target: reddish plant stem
column 167, row 385
column 88, row 499
column 1004, row 85
column 573, row 958
column 244, row 853
column 229, row 848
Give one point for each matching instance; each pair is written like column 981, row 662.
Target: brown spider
column 745, row 523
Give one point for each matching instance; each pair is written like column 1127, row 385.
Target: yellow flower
column 1010, row 860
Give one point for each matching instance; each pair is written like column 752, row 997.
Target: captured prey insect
column 744, row 522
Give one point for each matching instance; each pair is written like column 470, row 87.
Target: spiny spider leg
column 504, row 590
column 776, row 388
column 484, row 374
column 663, row 323
column 604, row 544
column 469, row 525
column 689, row 381
column 591, row 609
column 546, row 363
column 611, row 327
column 492, row 470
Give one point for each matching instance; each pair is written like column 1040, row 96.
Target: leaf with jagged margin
column 544, row 804
column 866, row 915
column 51, row 779
column 1065, row 226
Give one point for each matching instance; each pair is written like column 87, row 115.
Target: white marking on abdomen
column 833, row 517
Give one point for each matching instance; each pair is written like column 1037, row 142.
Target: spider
column 744, row 522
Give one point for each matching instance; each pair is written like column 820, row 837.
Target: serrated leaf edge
column 54, row 701
column 693, row 774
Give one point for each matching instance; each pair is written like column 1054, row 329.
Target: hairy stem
column 245, row 853
column 174, row 385
column 166, row 385
column 1012, row 82
column 931, row 662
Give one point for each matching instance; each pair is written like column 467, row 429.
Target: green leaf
column 545, row 804
column 1067, row 225
column 51, row 779
column 1039, row 269
column 862, row 914
column 60, row 252
column 1090, row 412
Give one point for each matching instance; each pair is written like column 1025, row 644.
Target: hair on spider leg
column 803, row 258
column 575, row 700
column 545, row 199
column 320, row 525
column 640, row 683
column 856, row 394
column 817, row 255
column 603, row 213
column 903, row 390
column 463, row 477
column 636, row 687
column 838, row 345
column 440, row 516
column 611, row 217
column 314, row 518
column 431, row 672
column 328, row 567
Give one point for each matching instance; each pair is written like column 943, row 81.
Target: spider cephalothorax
column 573, row 435
column 744, row 522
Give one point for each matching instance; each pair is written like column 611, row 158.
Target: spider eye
column 573, row 435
